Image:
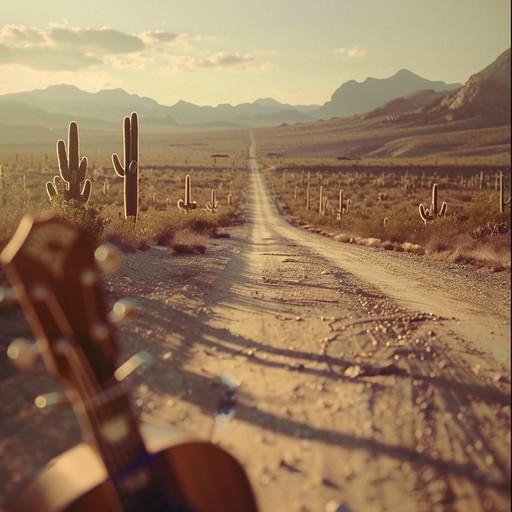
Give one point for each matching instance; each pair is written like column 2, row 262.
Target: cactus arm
column 444, row 208
column 51, row 190
column 117, row 165
column 503, row 202
column 82, row 169
column 86, row 191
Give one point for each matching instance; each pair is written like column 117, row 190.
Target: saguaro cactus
column 187, row 204
column 213, row 204
column 72, row 170
column 321, row 204
column 130, row 170
column 429, row 214
column 503, row 202
column 339, row 211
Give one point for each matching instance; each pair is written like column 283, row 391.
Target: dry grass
column 384, row 208
column 159, row 218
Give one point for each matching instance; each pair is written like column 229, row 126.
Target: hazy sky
column 233, row 51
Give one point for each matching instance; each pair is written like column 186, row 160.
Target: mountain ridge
column 112, row 104
column 403, row 97
column 354, row 97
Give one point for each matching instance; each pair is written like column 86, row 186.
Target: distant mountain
column 360, row 97
column 106, row 105
column 404, row 97
column 261, row 111
column 485, row 96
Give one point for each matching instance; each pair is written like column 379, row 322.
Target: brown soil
column 366, row 380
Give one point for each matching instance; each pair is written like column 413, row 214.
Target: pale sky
column 233, row 51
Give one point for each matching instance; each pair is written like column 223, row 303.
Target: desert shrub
column 492, row 228
column 188, row 241
column 482, row 217
column 88, row 217
column 402, row 228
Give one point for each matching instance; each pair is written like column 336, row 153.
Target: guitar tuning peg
column 123, row 309
column 7, row 297
column 50, row 399
column 107, row 258
column 23, row 353
column 138, row 361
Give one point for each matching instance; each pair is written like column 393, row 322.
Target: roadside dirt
column 365, row 380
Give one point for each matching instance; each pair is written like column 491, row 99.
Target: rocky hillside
column 485, row 96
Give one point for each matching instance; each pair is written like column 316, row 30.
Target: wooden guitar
column 121, row 466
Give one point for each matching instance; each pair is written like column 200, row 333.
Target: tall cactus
column 503, row 202
column 187, row 204
column 321, row 204
column 130, row 170
column 213, row 204
column 429, row 214
column 339, row 211
column 72, row 170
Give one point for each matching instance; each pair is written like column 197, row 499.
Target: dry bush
column 187, row 241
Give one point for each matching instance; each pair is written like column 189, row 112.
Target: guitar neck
column 110, row 425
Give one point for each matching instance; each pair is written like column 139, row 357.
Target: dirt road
column 366, row 380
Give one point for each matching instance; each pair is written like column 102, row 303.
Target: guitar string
column 92, row 315
column 96, row 413
column 67, row 351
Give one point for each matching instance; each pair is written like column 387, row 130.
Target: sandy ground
column 365, row 380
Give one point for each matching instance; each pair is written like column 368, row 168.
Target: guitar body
column 197, row 473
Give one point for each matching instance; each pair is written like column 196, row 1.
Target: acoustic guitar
column 120, row 466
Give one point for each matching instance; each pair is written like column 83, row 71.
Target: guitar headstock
column 52, row 266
